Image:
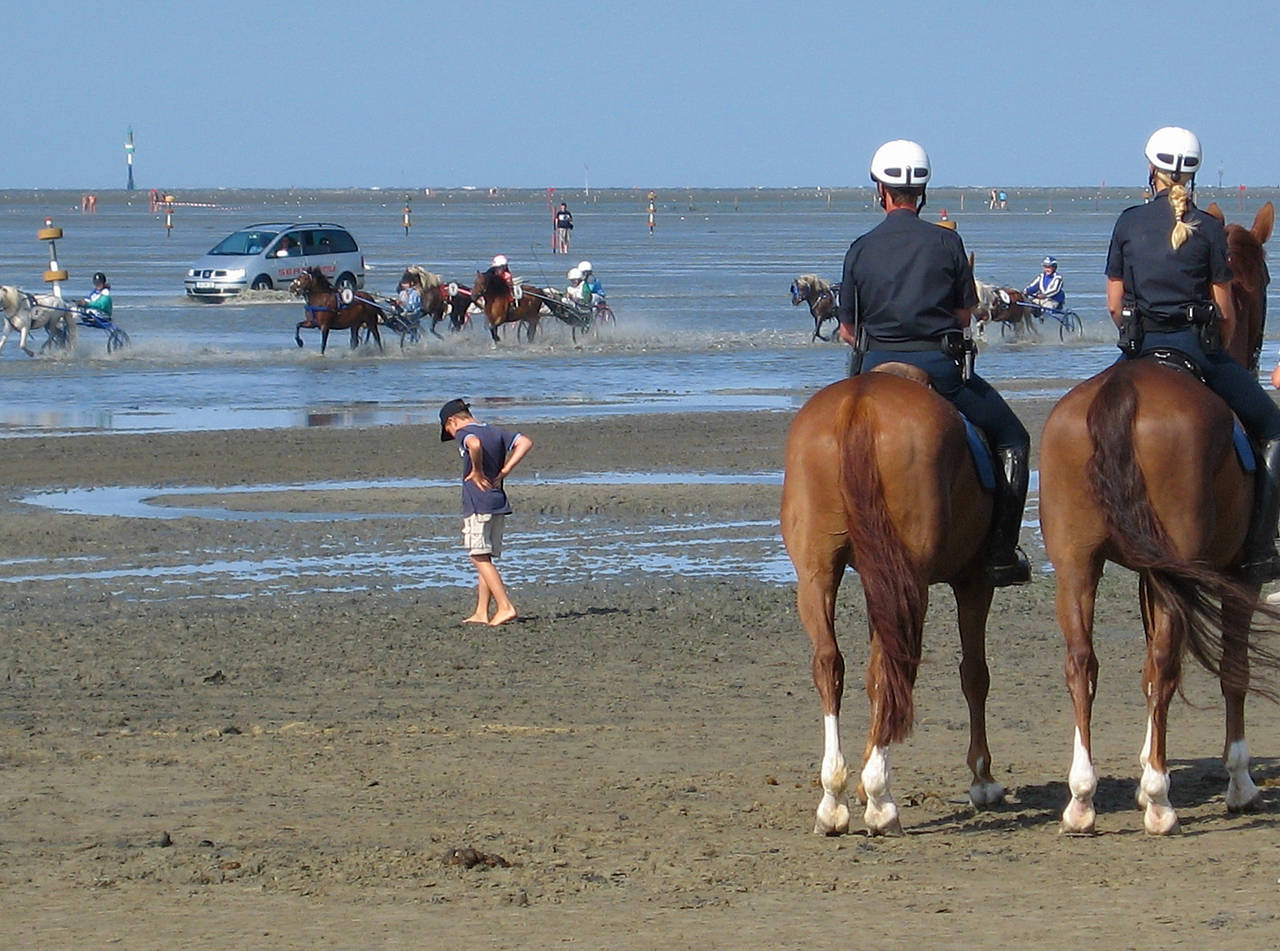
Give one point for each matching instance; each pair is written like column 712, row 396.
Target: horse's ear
column 1214, row 210
column 1263, row 222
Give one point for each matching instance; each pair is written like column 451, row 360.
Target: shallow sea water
column 704, row 314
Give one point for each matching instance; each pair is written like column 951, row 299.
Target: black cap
column 448, row 410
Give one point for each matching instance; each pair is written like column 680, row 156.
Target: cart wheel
column 1071, row 323
column 604, row 315
column 117, row 339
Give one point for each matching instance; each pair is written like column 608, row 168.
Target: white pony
column 25, row 312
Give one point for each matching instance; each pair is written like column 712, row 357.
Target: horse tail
column 1191, row 593
column 895, row 599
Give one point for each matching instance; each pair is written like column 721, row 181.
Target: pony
column 1138, row 467
column 880, row 477
column 327, row 310
column 1001, row 305
column 501, row 307
column 438, row 298
column 25, row 312
column 821, row 296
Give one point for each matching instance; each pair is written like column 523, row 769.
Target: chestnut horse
column 327, row 311
column 821, row 297
column 880, row 477
column 501, row 307
column 1137, row 467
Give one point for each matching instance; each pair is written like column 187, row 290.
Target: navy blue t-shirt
column 1159, row 281
column 495, row 443
column 907, row 278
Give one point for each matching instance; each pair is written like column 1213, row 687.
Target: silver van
column 271, row 255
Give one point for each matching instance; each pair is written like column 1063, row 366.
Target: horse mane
column 1191, row 592
column 813, row 282
column 492, row 283
column 321, row 282
column 425, row 279
column 895, row 604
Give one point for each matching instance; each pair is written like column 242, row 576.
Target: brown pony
column 821, row 297
column 327, row 311
column 438, row 298
column 500, row 307
column 1137, row 467
column 879, row 477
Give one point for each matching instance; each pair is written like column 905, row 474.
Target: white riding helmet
column 575, row 274
column 499, row 260
column 584, row 267
column 900, row 164
column 1174, row 149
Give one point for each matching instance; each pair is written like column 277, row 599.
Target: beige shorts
column 482, row 534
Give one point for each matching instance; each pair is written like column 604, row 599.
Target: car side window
column 338, row 242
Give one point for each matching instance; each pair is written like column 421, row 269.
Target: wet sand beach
column 632, row 764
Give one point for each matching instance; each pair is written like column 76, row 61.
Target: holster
column 1204, row 317
column 1131, row 333
column 962, row 350
column 859, row 351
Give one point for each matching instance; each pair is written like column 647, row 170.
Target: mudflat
column 227, row 762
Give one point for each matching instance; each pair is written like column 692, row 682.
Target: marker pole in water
column 55, row 275
column 168, row 216
column 408, row 210
column 551, row 206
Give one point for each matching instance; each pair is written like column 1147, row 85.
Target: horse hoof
column 986, row 794
column 1078, row 818
column 1160, row 820
column 832, row 819
column 883, row 819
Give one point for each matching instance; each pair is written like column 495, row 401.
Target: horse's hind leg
column 1242, row 792
column 973, row 604
column 1076, row 598
column 819, row 552
column 1161, row 670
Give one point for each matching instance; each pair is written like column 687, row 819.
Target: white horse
column 25, row 312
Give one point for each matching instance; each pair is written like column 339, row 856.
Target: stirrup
column 1017, row 571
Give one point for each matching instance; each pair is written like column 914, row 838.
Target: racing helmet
column 499, row 260
column 1174, row 149
column 575, row 274
column 99, row 277
column 584, row 267
column 1049, row 261
column 900, row 164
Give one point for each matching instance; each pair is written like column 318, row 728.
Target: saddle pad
column 1244, row 448
column 981, row 456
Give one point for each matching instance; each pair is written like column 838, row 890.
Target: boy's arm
column 520, row 447
column 475, row 450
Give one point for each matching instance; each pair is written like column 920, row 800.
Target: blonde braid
column 1180, row 201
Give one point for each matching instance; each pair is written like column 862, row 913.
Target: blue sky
column 699, row 93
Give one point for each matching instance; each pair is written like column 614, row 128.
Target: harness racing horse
column 880, row 477
column 1001, row 305
column 327, row 311
column 438, row 298
column 820, row 295
column 1138, row 467
column 494, row 295
column 25, row 312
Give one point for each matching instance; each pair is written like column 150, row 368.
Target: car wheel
column 347, row 280
column 261, row 283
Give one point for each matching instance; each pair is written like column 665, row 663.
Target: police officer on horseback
column 1169, row 289
column 906, row 297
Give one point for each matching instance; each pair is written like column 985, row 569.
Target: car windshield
column 244, row 242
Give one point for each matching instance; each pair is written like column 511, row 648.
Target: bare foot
column 502, row 617
column 475, row 619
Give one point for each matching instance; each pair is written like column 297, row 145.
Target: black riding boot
column 1007, row 564
column 1261, row 564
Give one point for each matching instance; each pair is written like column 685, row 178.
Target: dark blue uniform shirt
column 1160, row 282
column 907, row 278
